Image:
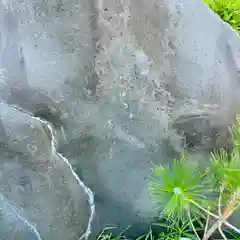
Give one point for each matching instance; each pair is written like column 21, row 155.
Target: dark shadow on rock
column 200, row 133
column 36, row 103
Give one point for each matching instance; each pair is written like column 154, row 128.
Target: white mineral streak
column 86, row 189
column 31, row 226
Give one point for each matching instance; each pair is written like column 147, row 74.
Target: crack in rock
column 87, row 190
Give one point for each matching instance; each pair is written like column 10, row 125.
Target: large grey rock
column 126, row 85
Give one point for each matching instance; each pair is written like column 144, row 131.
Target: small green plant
column 176, row 230
column 106, row 235
column 196, row 202
column 176, row 186
column 148, row 236
column 228, row 10
column 172, row 232
column 185, row 192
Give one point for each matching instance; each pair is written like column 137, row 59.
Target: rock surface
column 125, row 85
column 38, row 187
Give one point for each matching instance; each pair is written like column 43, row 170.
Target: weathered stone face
column 38, row 188
column 124, row 84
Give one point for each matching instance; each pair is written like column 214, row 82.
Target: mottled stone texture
column 117, row 86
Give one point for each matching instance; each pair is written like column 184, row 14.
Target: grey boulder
column 124, row 85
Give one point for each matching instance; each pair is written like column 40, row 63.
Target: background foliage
column 228, row 10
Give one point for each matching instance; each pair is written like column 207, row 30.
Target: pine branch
column 192, row 225
column 223, row 219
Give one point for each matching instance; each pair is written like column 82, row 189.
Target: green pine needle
column 225, row 166
column 175, row 187
column 227, row 172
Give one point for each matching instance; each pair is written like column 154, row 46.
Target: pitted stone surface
column 124, row 85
